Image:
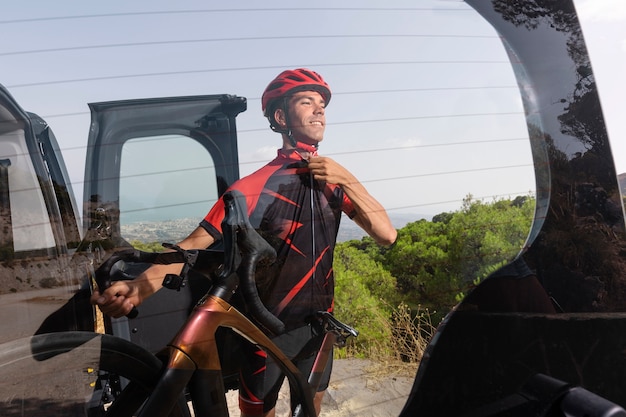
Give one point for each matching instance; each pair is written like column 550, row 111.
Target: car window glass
column 29, row 219
column 426, row 112
column 167, row 184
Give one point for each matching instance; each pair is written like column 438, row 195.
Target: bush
column 364, row 290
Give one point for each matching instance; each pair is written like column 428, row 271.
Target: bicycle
column 125, row 379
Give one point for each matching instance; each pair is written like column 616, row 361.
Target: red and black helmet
column 292, row 81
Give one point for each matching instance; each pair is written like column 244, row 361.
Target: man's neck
column 305, row 150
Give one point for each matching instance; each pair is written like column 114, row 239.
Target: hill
column 175, row 230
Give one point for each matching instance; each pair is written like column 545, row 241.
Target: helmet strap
column 292, row 141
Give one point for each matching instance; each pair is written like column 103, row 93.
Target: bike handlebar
column 244, row 248
column 254, row 249
column 103, row 273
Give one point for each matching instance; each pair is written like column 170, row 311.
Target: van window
column 167, row 185
column 29, row 224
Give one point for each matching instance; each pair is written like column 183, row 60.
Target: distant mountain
column 170, row 231
column 621, row 179
column 175, row 230
column 350, row 231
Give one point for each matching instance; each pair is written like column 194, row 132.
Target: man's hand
column 118, row 300
column 326, row 169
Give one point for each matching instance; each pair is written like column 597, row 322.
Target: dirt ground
column 357, row 388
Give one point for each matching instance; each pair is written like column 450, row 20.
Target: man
column 295, row 202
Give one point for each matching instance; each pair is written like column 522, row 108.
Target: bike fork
column 207, row 390
column 170, row 386
column 319, row 366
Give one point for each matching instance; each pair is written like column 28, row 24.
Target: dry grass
column 400, row 353
column 411, row 333
column 385, row 368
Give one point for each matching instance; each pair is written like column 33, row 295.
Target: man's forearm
column 370, row 214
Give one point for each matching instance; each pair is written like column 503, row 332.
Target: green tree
column 376, row 279
column 436, row 261
column 420, row 262
column 363, row 292
column 483, row 235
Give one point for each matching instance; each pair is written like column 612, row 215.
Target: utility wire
column 244, row 39
column 351, row 152
column 340, row 93
column 209, row 203
column 272, row 67
column 252, row 10
column 199, row 168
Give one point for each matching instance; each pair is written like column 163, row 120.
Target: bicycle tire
column 75, row 374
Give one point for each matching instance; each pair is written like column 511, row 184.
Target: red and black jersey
column 299, row 216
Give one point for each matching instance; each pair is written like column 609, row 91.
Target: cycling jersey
column 299, row 217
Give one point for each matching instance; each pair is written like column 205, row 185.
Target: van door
column 39, row 221
column 154, row 168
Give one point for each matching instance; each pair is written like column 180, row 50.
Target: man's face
column 306, row 116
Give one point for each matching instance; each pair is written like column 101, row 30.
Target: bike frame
column 193, row 360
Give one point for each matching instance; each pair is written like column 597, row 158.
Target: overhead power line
column 272, row 67
column 255, row 10
column 340, row 93
column 243, row 39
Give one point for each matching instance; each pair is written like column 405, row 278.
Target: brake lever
column 332, row 324
column 178, row 281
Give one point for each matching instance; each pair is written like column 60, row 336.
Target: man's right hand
column 117, row 300
column 120, row 298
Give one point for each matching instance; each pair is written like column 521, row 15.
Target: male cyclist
column 295, row 202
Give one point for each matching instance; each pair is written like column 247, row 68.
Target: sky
column 425, row 107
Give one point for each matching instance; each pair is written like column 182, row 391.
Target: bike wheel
column 77, row 374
